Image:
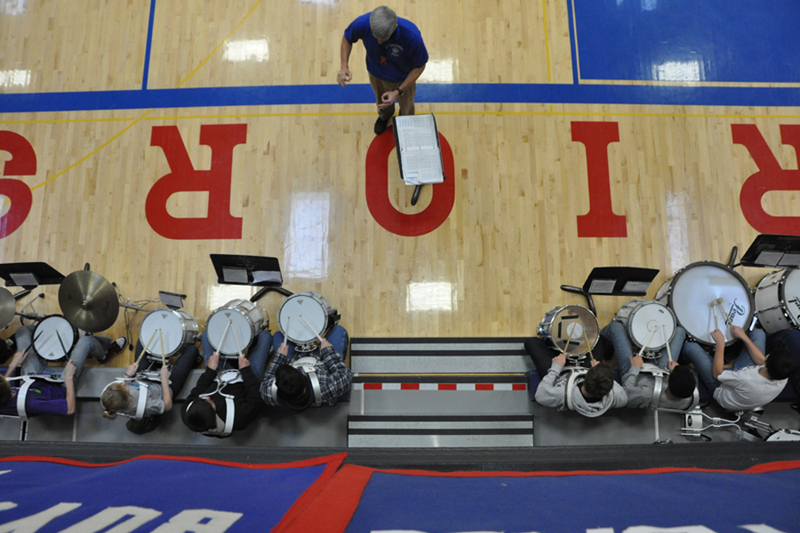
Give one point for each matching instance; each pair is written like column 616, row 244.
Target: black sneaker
column 380, row 125
column 116, row 348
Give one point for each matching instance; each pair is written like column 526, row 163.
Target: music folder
column 418, row 152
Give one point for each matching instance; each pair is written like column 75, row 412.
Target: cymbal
column 88, row 301
column 8, row 306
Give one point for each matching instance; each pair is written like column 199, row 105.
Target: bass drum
column 305, row 315
column 648, row 321
column 571, row 329
column 778, row 300
column 690, row 294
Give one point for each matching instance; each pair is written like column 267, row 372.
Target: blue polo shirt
column 395, row 58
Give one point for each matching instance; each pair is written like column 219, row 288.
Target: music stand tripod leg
column 415, row 195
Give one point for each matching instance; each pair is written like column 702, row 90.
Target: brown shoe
column 116, row 348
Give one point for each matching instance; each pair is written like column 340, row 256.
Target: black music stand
column 615, row 281
column 247, row 270
column 171, row 299
column 773, row 251
column 29, row 275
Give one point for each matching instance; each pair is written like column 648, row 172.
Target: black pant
column 542, row 354
column 180, row 370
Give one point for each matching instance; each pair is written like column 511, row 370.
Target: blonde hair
column 114, row 398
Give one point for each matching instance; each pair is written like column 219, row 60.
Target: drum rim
column 554, row 314
column 183, row 342
column 312, row 295
column 750, row 297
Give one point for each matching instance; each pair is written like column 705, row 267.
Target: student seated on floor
column 754, row 381
column 296, row 380
column 592, row 395
column 640, row 386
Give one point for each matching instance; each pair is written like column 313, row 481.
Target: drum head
column 651, row 317
column 162, row 325
column 299, row 309
column 240, row 331
column 791, row 296
column 53, row 338
column 574, row 330
column 700, row 284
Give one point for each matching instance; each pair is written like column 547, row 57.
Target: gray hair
column 382, row 22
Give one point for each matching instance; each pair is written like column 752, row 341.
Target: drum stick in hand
column 61, row 342
column 586, row 338
column 664, row 334
column 647, row 340
column 146, row 347
column 714, row 305
column 224, row 335
column 286, row 333
column 310, row 328
column 236, row 341
column 161, row 338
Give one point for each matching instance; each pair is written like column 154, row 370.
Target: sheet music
column 419, row 152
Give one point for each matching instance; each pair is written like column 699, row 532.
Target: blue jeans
column 703, row 362
column 89, row 346
column 616, row 332
column 338, row 337
column 257, row 354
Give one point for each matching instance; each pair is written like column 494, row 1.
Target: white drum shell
column 778, row 300
column 573, row 324
column 694, row 287
column 246, row 321
column 46, row 337
column 640, row 317
column 176, row 327
column 314, row 308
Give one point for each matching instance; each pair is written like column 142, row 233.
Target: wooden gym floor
column 109, row 93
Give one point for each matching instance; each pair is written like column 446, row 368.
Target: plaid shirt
column 334, row 376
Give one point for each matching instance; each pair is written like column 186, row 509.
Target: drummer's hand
column 738, row 332
column 325, row 343
column 131, row 370
column 165, row 372
column 718, row 336
column 560, row 359
column 243, row 362
column 213, row 361
column 69, row 370
column 672, row 365
column 283, row 349
column 595, row 362
column 637, row 361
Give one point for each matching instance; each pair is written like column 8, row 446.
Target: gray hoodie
column 639, row 386
column 552, row 393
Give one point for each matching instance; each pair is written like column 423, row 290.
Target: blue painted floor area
column 689, row 40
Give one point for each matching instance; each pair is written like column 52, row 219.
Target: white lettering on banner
column 760, row 528
column 601, row 530
column 5, row 506
column 135, row 517
column 681, row 529
column 199, row 521
column 33, row 523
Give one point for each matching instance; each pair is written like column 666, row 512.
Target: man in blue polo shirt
column 396, row 57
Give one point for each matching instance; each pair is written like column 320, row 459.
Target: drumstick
column 238, row 344
column 649, row 336
column 586, row 338
column 664, row 334
column 161, row 338
column 310, row 328
column 224, row 335
column 146, row 347
column 61, row 342
column 286, row 335
column 565, row 351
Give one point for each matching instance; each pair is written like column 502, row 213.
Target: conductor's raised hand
column 213, row 361
column 343, row 77
column 387, row 99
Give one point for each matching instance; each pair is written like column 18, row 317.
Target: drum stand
column 748, row 426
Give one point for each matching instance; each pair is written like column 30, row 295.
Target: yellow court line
column 546, row 41
column 220, row 44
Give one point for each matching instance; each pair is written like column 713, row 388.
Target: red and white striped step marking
column 443, row 386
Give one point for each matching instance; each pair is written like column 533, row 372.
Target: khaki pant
column 406, row 100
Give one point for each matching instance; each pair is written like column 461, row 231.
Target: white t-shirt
column 746, row 389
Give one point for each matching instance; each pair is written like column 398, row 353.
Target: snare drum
column 778, row 300
column 571, row 329
column 647, row 321
column 694, row 287
column 239, row 322
column 54, row 338
column 310, row 307
column 176, row 328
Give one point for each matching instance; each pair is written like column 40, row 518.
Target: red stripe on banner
column 484, row 386
column 519, row 386
column 447, row 386
column 310, row 494
column 409, row 386
column 372, row 386
column 338, row 459
column 334, row 506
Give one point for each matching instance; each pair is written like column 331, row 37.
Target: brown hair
column 114, row 398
